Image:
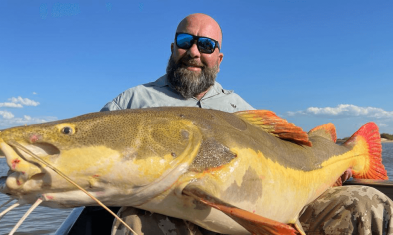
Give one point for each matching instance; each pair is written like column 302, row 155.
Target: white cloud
column 34, row 93
column 24, row 101
column 19, row 102
column 6, row 115
column 7, row 119
column 10, row 105
column 345, row 110
column 26, row 120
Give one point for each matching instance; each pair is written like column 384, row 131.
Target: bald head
column 190, row 71
column 200, row 24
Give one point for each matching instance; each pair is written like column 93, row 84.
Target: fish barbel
column 248, row 172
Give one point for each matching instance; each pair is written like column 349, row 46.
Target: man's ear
column 220, row 57
column 172, row 47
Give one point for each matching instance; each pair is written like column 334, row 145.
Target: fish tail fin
column 367, row 141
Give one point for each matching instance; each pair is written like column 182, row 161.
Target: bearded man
column 191, row 81
column 191, row 73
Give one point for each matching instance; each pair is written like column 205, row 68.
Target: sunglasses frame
column 195, row 39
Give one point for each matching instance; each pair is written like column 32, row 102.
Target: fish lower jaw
column 17, row 180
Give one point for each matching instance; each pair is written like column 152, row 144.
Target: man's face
column 190, row 69
column 198, row 25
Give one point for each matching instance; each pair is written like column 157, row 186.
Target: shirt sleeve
column 110, row 106
column 121, row 101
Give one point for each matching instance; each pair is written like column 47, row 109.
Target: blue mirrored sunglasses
column 205, row 45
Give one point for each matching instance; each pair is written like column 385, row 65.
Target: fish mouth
column 24, row 162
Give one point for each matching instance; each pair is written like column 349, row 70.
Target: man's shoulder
column 144, row 95
column 135, row 89
column 225, row 100
column 142, row 88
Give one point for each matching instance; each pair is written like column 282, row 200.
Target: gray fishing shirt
column 159, row 94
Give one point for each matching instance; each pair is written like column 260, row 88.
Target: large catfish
column 248, row 172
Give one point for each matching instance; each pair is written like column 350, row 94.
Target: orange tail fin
column 369, row 141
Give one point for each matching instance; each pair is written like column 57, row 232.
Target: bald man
column 190, row 81
column 190, row 78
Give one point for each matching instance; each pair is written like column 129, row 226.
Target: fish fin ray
column 254, row 223
column 327, row 131
column 298, row 226
column 374, row 169
column 279, row 127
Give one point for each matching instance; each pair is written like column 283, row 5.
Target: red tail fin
column 369, row 141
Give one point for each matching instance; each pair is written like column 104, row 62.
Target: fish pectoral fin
column 273, row 124
column 299, row 227
column 253, row 223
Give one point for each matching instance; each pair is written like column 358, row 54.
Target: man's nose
column 193, row 52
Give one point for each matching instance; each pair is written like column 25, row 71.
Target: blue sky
column 311, row 62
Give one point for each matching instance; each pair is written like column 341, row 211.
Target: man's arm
column 110, row 106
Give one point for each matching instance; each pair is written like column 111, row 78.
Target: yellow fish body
column 225, row 172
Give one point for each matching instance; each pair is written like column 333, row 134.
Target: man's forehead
column 200, row 26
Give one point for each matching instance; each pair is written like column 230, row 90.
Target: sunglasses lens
column 184, row 41
column 206, row 45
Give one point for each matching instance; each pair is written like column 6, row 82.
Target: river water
column 46, row 220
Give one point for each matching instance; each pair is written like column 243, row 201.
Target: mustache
column 193, row 62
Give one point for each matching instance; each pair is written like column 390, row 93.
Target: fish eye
column 67, row 130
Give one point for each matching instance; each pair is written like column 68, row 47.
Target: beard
column 189, row 83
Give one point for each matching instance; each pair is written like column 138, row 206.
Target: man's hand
column 344, row 177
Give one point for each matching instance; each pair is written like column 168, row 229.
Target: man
column 190, row 78
column 190, row 81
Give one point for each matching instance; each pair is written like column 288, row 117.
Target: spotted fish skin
column 145, row 158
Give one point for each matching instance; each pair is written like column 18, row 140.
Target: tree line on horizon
column 387, row 136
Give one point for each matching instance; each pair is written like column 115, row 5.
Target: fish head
column 113, row 155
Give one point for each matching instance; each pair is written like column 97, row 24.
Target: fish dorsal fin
column 326, row 130
column 279, row 127
column 254, row 223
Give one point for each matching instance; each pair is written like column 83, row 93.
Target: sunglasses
column 205, row 45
